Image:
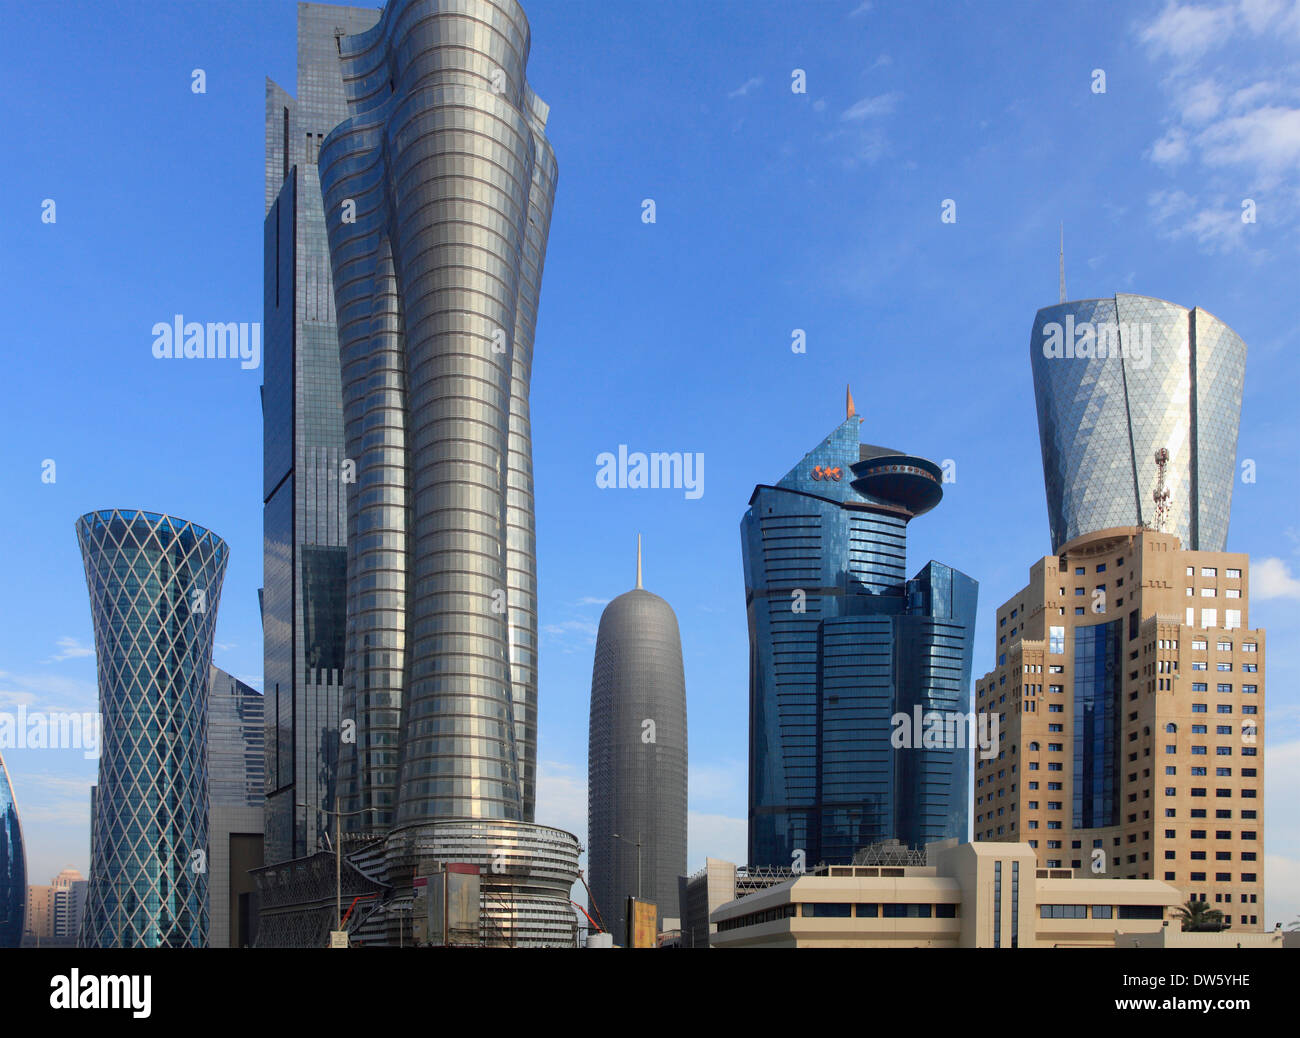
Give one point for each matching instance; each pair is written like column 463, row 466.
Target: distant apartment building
column 54, row 910
column 707, row 890
column 967, row 896
column 1131, row 690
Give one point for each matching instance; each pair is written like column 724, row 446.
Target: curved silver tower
column 438, row 192
column 1116, row 380
column 154, row 582
column 636, row 758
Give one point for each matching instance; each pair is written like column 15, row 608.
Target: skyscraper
column 1117, row 379
column 636, row 758
column 1130, row 765
column 437, row 192
column 154, row 583
column 13, row 866
column 304, row 470
column 842, row 643
column 236, row 777
column 436, row 291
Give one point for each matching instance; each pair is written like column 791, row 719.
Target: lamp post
column 338, row 852
column 638, row 860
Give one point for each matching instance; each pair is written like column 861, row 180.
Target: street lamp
column 338, row 851
column 638, row 860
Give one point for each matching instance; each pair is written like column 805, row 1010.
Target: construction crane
column 600, row 927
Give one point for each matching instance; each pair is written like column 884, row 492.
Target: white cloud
column 562, row 798
column 752, row 83
column 1186, row 31
column 715, row 836
column 1171, row 149
column 1268, row 138
column 871, row 107
column 862, row 8
column 1272, row 578
column 1201, row 101
column 591, row 600
column 71, row 649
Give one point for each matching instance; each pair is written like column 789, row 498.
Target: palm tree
column 1198, row 916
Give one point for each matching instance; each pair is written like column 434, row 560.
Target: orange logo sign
column 819, row 472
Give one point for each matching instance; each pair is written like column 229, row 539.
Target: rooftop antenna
column 1062, row 255
column 1161, row 492
column 638, row 561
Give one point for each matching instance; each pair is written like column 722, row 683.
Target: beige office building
column 985, row 895
column 1130, row 689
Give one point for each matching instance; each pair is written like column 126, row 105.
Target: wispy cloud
column 753, row 83
column 70, row 649
column 871, row 107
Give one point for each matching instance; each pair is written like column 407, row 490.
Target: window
column 1056, row 640
column 1209, row 571
column 1209, row 618
column 1232, row 574
column 1063, row 911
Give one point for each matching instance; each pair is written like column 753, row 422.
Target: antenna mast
column 1062, row 256
column 1161, row 493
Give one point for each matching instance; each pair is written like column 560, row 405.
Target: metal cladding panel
column 1166, row 377
column 637, row 758
column 13, row 867
column 438, row 191
column 155, row 584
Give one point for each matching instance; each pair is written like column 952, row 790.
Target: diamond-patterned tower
column 1117, row 379
column 154, row 583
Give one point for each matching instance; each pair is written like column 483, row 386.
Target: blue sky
column 775, row 211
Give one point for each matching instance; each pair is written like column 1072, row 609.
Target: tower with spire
column 636, row 760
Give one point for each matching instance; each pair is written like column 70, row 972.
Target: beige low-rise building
column 991, row 895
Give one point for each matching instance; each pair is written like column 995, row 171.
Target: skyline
column 725, row 218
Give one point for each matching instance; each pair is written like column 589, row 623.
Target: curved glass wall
column 437, row 195
column 13, row 867
column 154, row 583
column 1117, row 379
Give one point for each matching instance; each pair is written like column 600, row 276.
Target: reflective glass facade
column 1097, row 708
column 304, row 463
column 13, row 867
column 437, row 194
column 155, row 584
column 840, row 642
column 636, row 773
column 1126, row 376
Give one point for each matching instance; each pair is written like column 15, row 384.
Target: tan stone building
column 985, row 895
column 1130, row 688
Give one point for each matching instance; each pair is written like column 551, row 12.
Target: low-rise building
column 987, row 895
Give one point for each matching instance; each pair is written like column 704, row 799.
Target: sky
column 775, row 210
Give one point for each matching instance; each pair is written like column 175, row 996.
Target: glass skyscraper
column 13, row 866
column 438, row 191
column 840, row 643
column 636, row 760
column 305, row 469
column 154, row 583
column 1117, row 379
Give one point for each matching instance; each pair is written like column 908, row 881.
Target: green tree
column 1199, row 917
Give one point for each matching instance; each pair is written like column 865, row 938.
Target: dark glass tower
column 154, row 583
column 636, row 758
column 1117, row 379
column 438, row 190
column 840, row 642
column 13, row 866
column 305, row 468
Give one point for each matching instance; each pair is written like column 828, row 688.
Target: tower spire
column 1062, row 256
column 638, row 561
column 849, row 409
